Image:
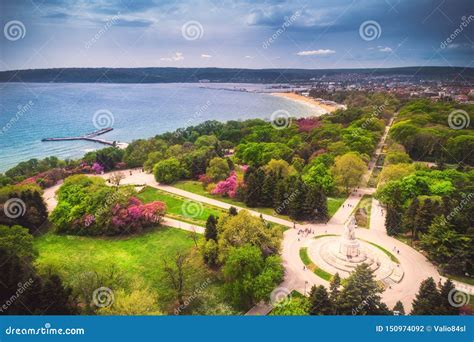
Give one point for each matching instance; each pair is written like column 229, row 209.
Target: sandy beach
column 322, row 108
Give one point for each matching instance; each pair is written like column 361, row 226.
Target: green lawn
column 196, row 188
column 136, row 258
column 318, row 271
column 179, row 207
column 334, row 203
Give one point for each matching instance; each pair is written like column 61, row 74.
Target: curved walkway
column 297, row 277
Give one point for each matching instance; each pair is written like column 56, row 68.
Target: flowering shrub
column 135, row 215
column 227, row 187
column 87, row 206
column 308, row 124
column 97, row 168
column 205, row 180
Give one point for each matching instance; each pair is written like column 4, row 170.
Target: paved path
column 415, row 265
column 49, row 196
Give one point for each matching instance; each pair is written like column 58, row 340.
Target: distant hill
column 166, row 75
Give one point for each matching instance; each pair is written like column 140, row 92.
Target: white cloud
column 249, row 57
column 178, row 56
column 206, row 56
column 320, row 52
column 385, row 49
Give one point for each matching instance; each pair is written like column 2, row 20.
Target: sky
column 315, row 34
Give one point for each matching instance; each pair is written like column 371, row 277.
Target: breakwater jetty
column 92, row 137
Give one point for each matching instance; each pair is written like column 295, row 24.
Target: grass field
column 196, row 188
column 179, row 207
column 135, row 258
column 363, row 219
column 318, row 271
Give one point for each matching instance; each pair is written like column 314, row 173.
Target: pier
column 91, row 137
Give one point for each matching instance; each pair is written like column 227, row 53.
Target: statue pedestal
column 349, row 248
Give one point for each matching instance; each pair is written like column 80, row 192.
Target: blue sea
column 32, row 111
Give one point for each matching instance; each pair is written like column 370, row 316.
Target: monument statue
column 349, row 246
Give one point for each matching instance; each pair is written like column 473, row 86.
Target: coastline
column 326, row 107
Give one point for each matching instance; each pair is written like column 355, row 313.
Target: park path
column 49, row 196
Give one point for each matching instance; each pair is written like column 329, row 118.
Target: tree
column 395, row 172
column 315, row 205
column 295, row 306
column 399, row 309
column 168, row 171
column 211, row 228
column 447, row 292
column 334, row 290
column 23, row 205
column 210, row 252
column 393, row 220
column 348, row 170
column 218, row 169
column 245, row 229
column 136, row 302
column 249, row 277
column 176, row 275
column 443, row 243
column 233, row 211
column 280, row 168
column 268, row 189
column 424, row 216
column 296, row 199
column 427, row 300
column 253, row 186
column 320, row 304
column 361, row 294
column 116, row 178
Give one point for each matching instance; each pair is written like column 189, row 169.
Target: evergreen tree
column 268, row 190
column 361, row 294
column 320, row 304
column 334, row 287
column 399, row 308
column 279, row 197
column 233, row 211
column 427, row 301
column 447, row 293
column 296, row 199
column 392, row 220
column 424, row 217
column 315, row 206
column 409, row 217
column 254, row 186
column 211, row 228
